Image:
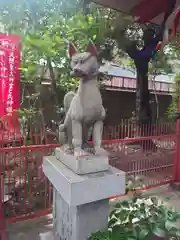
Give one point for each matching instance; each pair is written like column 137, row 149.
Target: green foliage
column 46, row 39
column 140, row 218
column 41, row 24
column 27, row 119
column 46, row 25
column 26, row 114
column 100, row 236
column 160, row 65
column 172, row 109
column 133, row 184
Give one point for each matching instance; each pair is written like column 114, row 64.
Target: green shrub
column 172, row 109
column 141, row 218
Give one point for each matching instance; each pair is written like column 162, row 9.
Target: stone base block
column 81, row 201
column 84, row 164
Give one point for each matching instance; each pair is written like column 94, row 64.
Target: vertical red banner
column 9, row 74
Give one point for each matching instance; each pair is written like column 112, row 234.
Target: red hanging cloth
column 146, row 10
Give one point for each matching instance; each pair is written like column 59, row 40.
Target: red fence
column 26, row 192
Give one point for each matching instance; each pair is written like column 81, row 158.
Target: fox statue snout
column 78, row 73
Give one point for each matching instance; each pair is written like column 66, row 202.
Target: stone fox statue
column 84, row 109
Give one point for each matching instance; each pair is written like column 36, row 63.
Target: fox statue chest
column 87, row 103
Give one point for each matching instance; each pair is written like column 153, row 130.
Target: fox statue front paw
column 78, row 152
column 98, row 151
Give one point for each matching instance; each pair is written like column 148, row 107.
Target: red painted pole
column 176, row 174
column 2, row 218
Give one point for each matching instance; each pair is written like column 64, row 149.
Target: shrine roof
column 129, row 6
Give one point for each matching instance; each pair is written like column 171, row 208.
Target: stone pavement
column 41, row 229
column 169, row 195
column 35, row 229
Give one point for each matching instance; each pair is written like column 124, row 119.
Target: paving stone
column 41, row 229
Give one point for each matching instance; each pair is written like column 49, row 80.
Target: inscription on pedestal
column 77, row 223
column 63, row 220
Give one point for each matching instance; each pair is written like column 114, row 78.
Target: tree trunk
column 143, row 109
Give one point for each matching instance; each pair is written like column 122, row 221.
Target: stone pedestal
column 80, row 204
column 84, row 164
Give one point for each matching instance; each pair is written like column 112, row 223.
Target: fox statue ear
column 72, row 50
column 91, row 48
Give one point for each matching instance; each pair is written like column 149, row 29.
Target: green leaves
column 100, row 236
column 169, row 225
column 172, row 109
column 41, row 24
column 143, row 233
column 178, row 233
column 141, row 218
column 159, row 232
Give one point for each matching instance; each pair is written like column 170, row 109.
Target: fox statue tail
column 67, row 101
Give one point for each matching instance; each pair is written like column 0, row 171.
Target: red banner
column 9, row 75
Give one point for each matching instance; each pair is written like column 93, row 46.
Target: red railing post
column 2, row 217
column 176, row 173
